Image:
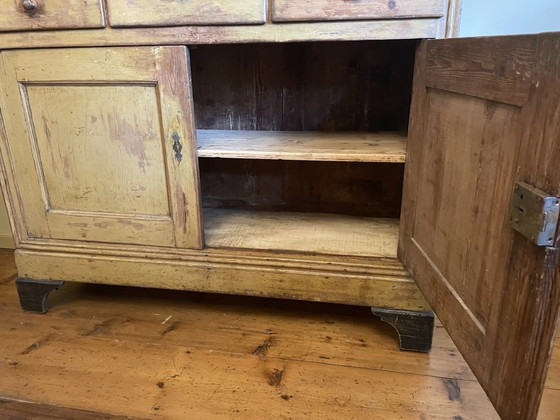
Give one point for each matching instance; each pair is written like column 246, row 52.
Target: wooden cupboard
column 253, row 159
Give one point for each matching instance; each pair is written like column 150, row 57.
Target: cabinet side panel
column 6, row 240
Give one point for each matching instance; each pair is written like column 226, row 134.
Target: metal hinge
column 534, row 214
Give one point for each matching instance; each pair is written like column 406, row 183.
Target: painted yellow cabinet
column 281, row 160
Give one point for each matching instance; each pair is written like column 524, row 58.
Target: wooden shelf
column 303, row 145
column 301, row 232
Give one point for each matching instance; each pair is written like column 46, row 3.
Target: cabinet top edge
column 196, row 35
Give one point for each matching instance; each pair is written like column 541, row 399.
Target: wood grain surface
column 301, row 232
column 192, row 35
column 302, row 145
column 318, row 10
column 349, row 188
column 500, row 69
column 330, row 86
column 193, row 12
column 130, row 352
column 495, row 291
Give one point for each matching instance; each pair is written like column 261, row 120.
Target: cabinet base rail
column 414, row 328
column 356, row 281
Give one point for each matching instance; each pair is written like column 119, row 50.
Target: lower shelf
column 301, row 232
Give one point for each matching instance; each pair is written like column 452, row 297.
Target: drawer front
column 321, row 10
column 25, row 15
column 191, row 12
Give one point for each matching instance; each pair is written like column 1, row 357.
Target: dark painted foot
column 415, row 329
column 33, row 293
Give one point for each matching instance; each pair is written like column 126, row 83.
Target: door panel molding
column 500, row 69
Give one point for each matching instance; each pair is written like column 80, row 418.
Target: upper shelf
column 303, row 145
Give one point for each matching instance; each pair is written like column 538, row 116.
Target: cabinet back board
column 332, row 86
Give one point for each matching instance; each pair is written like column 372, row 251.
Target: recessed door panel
column 105, row 154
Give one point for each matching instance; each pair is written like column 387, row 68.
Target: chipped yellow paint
column 51, row 14
column 97, row 127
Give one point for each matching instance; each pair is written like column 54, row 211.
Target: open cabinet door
column 486, row 117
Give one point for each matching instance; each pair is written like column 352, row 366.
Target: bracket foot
column 415, row 328
column 33, row 293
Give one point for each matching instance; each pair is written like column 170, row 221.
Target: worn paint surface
column 98, row 159
column 51, row 14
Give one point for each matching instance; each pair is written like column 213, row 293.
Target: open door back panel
column 485, row 115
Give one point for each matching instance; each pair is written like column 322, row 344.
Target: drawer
column 25, row 15
column 320, row 10
column 191, row 12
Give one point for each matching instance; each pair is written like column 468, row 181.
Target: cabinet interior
column 302, row 145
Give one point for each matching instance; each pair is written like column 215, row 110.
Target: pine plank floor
column 106, row 352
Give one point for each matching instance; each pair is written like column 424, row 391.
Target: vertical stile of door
column 179, row 133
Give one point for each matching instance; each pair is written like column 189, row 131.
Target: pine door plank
column 493, row 289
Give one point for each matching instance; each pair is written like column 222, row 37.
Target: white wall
column 502, row 17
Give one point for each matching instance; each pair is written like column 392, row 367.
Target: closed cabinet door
column 101, row 144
